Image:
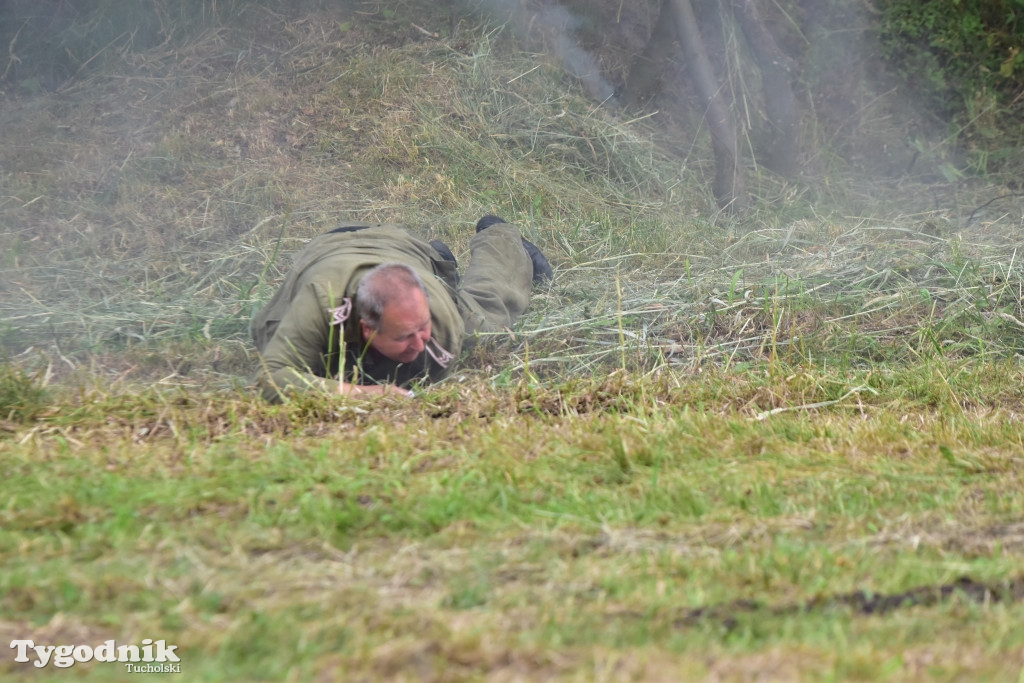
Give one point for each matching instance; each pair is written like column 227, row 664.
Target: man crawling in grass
column 371, row 309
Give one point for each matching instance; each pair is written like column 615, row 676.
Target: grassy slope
column 607, row 495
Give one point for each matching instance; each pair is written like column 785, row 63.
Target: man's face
column 404, row 328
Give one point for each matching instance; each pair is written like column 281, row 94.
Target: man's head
column 394, row 311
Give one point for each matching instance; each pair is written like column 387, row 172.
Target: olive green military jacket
column 309, row 336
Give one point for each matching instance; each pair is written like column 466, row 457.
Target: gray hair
column 382, row 285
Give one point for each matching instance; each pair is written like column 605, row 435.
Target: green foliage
column 963, row 59
column 952, row 50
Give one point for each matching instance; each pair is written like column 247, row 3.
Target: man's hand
column 357, row 390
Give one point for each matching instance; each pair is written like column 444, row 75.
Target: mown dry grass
column 703, row 441
column 164, row 216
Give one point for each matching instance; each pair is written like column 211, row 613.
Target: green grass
column 705, row 449
column 281, row 541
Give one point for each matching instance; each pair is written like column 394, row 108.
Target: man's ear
column 367, row 331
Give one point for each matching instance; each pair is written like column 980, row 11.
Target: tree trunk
column 729, row 188
column 775, row 67
column 647, row 68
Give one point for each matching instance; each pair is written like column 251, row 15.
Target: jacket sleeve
column 294, row 360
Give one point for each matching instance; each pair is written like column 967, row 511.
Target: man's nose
column 419, row 343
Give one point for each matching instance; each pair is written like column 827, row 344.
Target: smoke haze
column 554, row 26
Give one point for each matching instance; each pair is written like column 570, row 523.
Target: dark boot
column 446, row 253
column 541, row 268
column 442, row 249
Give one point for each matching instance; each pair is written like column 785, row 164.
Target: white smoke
column 553, row 26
